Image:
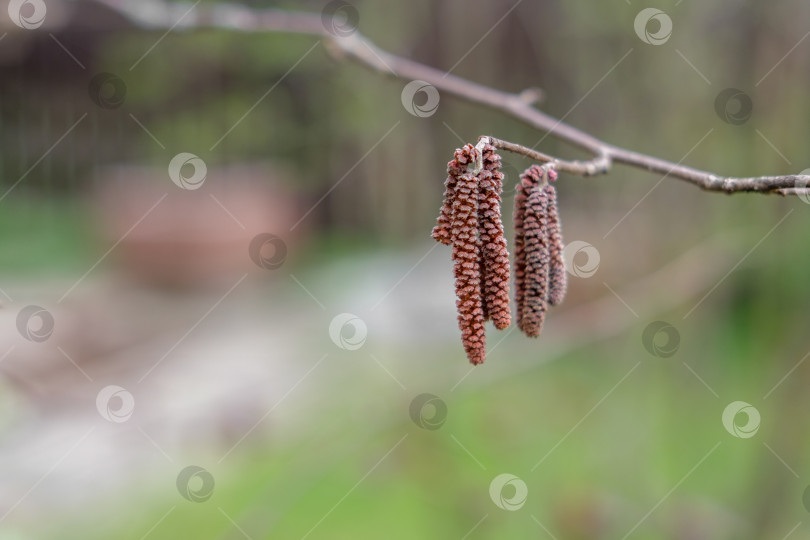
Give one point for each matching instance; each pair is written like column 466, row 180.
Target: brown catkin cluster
column 470, row 221
column 540, row 277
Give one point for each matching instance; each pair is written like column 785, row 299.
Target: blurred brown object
column 172, row 237
column 583, row 517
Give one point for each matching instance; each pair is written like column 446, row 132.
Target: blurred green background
column 611, row 440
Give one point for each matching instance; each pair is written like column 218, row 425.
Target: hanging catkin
column 470, row 221
column 558, row 278
column 538, row 259
column 495, row 257
column 540, row 278
column 467, row 268
column 458, row 225
column 528, row 180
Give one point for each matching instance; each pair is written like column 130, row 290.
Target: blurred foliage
column 601, row 474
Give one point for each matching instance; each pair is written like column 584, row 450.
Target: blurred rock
column 171, row 237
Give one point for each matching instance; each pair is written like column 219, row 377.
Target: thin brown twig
column 358, row 48
column 592, row 167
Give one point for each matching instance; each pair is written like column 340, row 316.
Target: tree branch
column 162, row 15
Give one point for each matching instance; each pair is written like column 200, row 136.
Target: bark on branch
column 162, row 15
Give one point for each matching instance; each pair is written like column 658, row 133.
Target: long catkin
column 538, row 258
column 495, row 256
column 528, row 180
column 467, row 268
column 558, row 278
